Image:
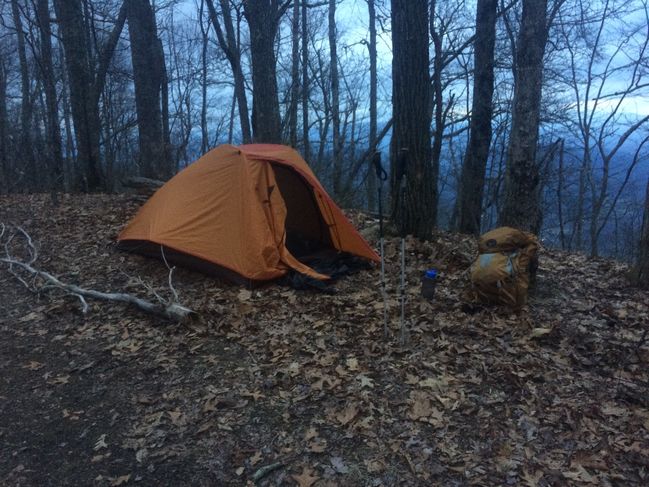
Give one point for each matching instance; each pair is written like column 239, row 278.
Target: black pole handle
column 402, row 164
column 401, row 177
column 380, row 172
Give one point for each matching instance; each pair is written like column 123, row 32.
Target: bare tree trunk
column 205, row 39
column 233, row 105
column 69, row 172
column 305, row 83
column 147, row 75
column 560, row 184
column 371, row 175
column 475, row 161
column 84, row 90
column 438, row 132
column 600, row 214
column 295, row 73
column 164, row 101
column 109, row 150
column 26, row 149
column 324, row 130
column 4, row 140
column 230, row 47
column 49, row 82
column 263, row 20
column 351, row 152
column 642, row 266
column 412, row 119
column 335, row 99
column 577, row 228
column 521, row 206
column 595, row 59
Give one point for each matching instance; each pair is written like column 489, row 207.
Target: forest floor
column 304, row 383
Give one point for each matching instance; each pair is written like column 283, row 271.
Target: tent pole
column 382, row 176
column 403, row 273
column 402, row 165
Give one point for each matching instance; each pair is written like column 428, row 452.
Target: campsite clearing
column 284, row 387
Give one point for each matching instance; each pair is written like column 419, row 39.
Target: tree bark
column 164, row 106
column 49, row 83
column 371, row 175
column 148, row 77
column 295, row 73
column 306, row 151
column 204, row 45
column 230, row 47
column 263, row 20
column 85, row 109
column 4, row 140
column 335, row 100
column 475, row 161
column 412, row 119
column 26, row 105
column 521, row 205
column 106, row 54
column 438, row 131
column 109, row 151
column 70, row 151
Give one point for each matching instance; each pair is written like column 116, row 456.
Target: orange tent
column 247, row 213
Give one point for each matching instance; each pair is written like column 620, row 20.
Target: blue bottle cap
column 431, row 274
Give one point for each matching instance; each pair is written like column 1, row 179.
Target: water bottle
column 428, row 282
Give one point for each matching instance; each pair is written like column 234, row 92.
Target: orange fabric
column 220, row 209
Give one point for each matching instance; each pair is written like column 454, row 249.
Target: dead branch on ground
column 37, row 281
column 143, row 186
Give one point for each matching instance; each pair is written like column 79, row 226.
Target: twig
column 146, row 286
column 149, row 288
column 171, row 271
column 30, row 246
column 84, row 303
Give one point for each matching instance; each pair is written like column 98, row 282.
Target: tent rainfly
column 247, row 213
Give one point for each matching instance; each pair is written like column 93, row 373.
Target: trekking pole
column 382, row 176
column 402, row 178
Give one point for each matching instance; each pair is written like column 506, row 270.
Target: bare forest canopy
column 532, row 113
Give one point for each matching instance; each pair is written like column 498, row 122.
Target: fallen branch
column 169, row 309
column 144, row 186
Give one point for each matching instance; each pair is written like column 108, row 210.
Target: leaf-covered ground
column 300, row 388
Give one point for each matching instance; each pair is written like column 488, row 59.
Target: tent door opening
column 307, row 234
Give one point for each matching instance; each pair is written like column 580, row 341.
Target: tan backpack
column 501, row 274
